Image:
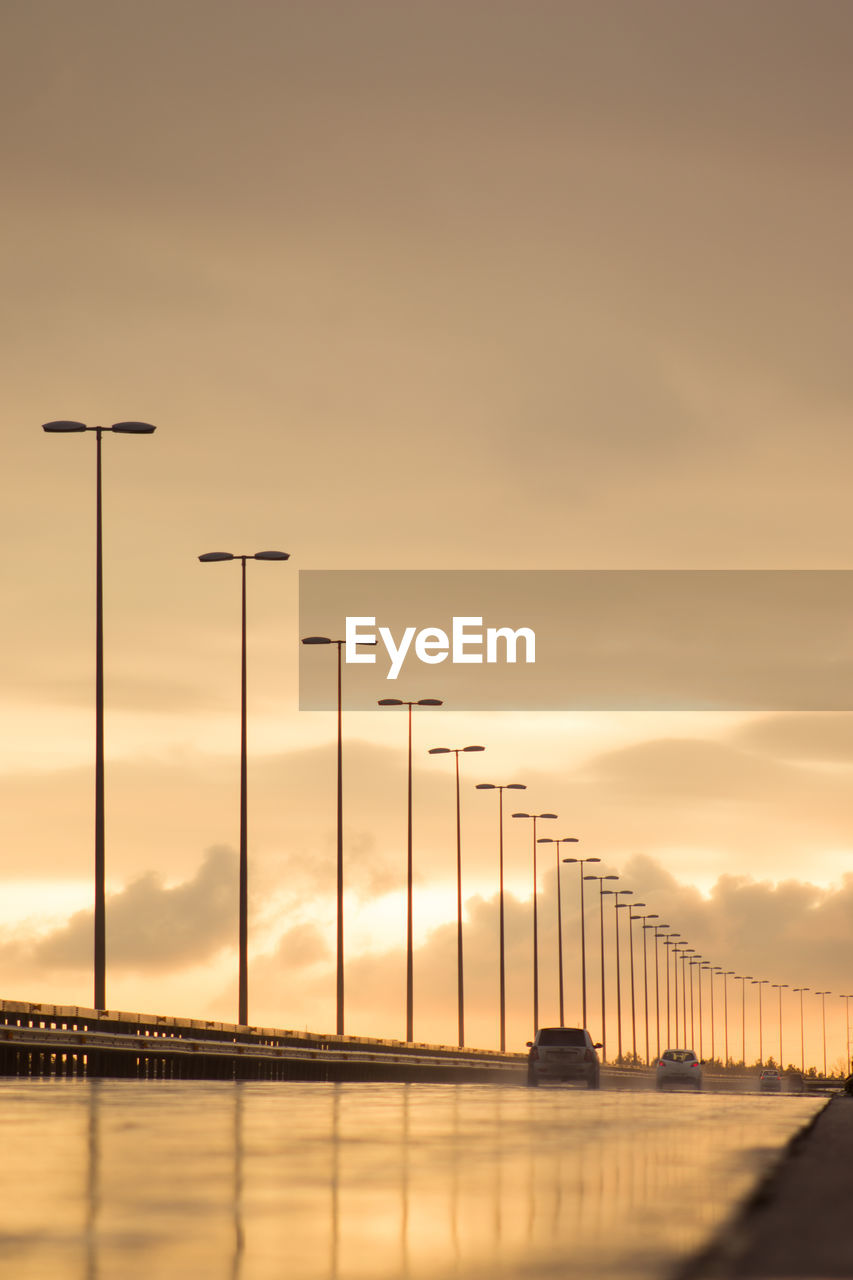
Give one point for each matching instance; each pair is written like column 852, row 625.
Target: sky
column 487, row 285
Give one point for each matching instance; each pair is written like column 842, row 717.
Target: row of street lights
column 680, row 949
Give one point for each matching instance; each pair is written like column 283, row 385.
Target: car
column 770, row 1081
column 678, row 1067
column 563, row 1053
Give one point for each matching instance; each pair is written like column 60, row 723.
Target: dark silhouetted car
column 770, row 1081
column 563, row 1053
column 678, row 1067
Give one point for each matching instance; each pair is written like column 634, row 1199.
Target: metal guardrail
column 52, row 1040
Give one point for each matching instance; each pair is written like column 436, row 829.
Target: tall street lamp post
column 631, row 919
column 410, row 967
column 760, row 982
column 601, row 892
column 210, row 557
column 508, row 786
column 339, row 1002
column 460, row 979
column 696, row 960
column 781, row 987
column 743, row 981
column 535, row 817
column 657, row 982
column 564, row 840
column 582, row 862
column 654, row 927
column 669, row 943
column 128, row 429
column 727, row 973
column 847, row 999
column 800, row 990
column 617, row 904
column 823, row 995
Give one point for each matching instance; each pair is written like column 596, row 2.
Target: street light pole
column 534, row 817
column 210, row 557
column 823, row 995
column 631, row 919
column 802, row 1029
column 581, row 864
column 744, row 980
column 460, row 980
column 601, row 892
column 508, row 786
column 669, row 944
column 760, row 982
column 564, row 840
column 410, row 965
column 658, row 936
column 617, row 904
column 728, row 973
column 847, row 999
column 120, row 428
column 782, row 986
column 339, row 998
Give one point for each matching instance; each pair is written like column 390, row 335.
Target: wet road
column 104, row 1180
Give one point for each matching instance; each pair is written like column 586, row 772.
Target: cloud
column 826, row 737
column 151, row 927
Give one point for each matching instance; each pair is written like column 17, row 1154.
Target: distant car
column 770, row 1081
column 678, row 1067
column 563, row 1053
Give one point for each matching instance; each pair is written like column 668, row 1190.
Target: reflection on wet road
column 104, row 1180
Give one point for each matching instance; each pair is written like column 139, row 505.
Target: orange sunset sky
column 483, row 284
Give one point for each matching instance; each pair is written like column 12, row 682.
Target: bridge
column 47, row 1040
column 66, row 1041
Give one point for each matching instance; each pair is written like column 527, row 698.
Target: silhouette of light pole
column 727, row 973
column 677, row 954
column 564, row 840
column 847, row 999
column 535, row 817
column 715, row 968
column 582, row 862
column 340, row 833
column 211, row 557
column 743, row 981
column 760, row 982
column 601, row 892
column 697, row 961
column 631, row 919
column 700, row 965
column 687, row 969
column 127, row 429
column 460, row 979
column 617, row 904
column 823, row 995
column 508, row 786
column 800, row 990
column 669, row 942
column 654, row 927
column 781, row 987
column 410, row 967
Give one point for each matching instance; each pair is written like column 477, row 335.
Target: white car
column 563, row 1053
column 678, row 1067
